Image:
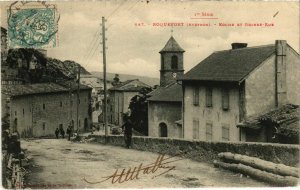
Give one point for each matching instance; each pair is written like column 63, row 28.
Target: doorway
column 163, row 130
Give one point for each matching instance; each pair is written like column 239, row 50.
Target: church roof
column 172, row 46
column 170, row 93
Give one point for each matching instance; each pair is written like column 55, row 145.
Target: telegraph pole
column 104, row 78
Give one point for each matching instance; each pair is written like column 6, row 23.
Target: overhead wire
column 91, row 45
column 95, row 43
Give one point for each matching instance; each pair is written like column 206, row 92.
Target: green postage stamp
column 32, row 25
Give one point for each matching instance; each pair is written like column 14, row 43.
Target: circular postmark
column 32, row 27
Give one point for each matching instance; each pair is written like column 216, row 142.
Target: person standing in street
column 127, row 129
column 69, row 132
column 62, row 132
column 57, row 132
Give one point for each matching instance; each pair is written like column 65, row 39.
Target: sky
column 135, row 49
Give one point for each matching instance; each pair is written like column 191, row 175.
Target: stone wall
column 207, row 151
column 213, row 116
column 39, row 115
column 260, row 88
column 164, row 112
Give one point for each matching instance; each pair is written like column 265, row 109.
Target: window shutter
column 225, row 133
column 208, row 97
column 209, row 131
column 195, row 129
column 225, row 99
column 196, row 96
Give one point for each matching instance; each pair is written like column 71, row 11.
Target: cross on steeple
column 172, row 31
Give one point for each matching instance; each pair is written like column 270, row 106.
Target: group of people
column 61, row 131
column 126, row 127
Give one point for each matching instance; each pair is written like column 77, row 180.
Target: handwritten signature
column 121, row 176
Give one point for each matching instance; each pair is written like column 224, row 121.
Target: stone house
column 232, row 85
column 164, row 110
column 165, row 102
column 36, row 110
column 97, row 85
column 119, row 99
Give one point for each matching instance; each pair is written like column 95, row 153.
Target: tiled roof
column 129, row 86
column 172, row 46
column 170, row 93
column 230, row 65
column 285, row 118
column 39, row 88
column 73, row 85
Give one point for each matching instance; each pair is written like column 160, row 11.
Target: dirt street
column 58, row 163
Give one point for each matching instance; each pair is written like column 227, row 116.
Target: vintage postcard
column 149, row 94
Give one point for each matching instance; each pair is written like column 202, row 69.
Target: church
column 165, row 102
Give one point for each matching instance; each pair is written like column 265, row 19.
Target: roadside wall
column 207, row 151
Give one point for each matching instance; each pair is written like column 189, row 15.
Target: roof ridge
column 239, row 49
column 229, row 65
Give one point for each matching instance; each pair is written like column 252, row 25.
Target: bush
column 116, row 130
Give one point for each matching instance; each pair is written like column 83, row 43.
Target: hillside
column 67, row 68
column 32, row 66
column 123, row 77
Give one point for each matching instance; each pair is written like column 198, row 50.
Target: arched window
column 174, row 62
column 163, row 130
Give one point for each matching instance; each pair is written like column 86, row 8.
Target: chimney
column 238, row 45
column 280, row 72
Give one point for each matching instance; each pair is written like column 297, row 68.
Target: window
column 174, row 62
column 44, row 106
column 60, row 103
column 15, row 113
column 195, row 128
column 71, row 102
column 225, row 133
column 225, row 99
column 196, row 96
column 208, row 97
column 78, row 101
column 44, row 126
column 23, row 112
column 209, row 131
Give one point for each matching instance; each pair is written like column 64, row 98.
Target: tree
column 139, row 111
column 116, row 80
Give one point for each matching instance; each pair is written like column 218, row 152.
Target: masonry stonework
column 39, row 115
column 215, row 115
column 260, row 88
column 204, row 151
column 167, row 113
column 167, row 75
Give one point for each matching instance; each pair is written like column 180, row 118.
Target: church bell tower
column 171, row 62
